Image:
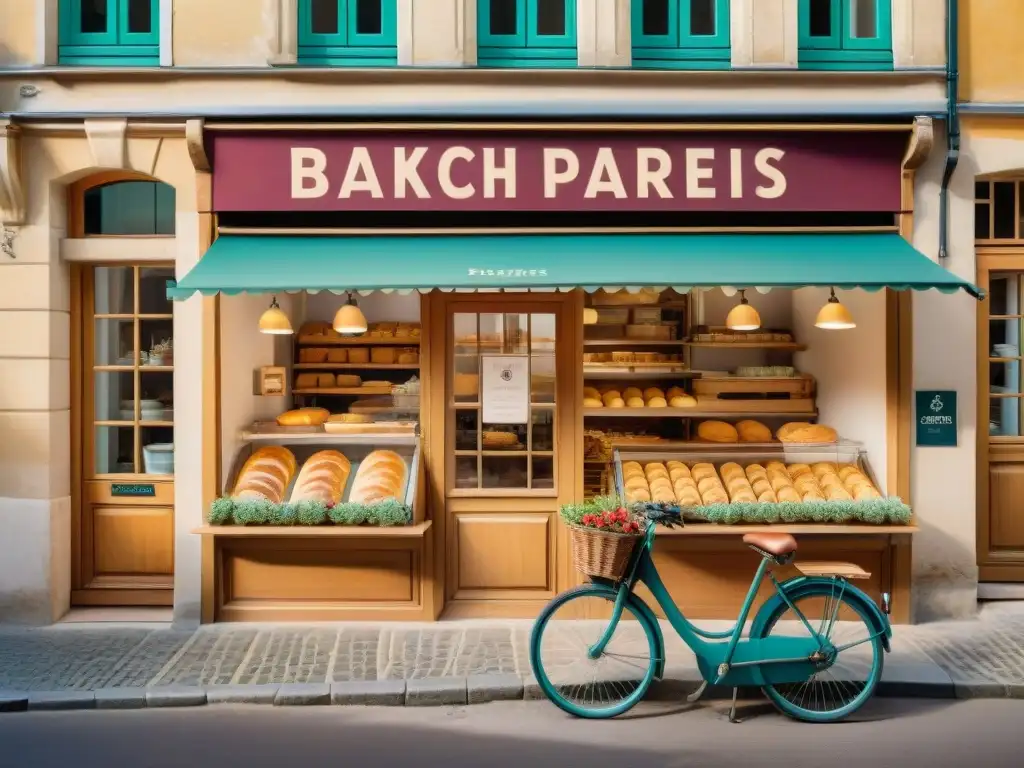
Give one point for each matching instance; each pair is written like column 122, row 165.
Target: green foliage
column 573, row 513
column 228, row 511
column 890, row 511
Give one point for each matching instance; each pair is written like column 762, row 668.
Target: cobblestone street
column 982, row 655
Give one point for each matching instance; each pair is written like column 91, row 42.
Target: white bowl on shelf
column 158, row 458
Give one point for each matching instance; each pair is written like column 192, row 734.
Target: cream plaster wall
column 603, row 33
column 18, row 23
column 764, row 33
column 443, row 37
column 242, row 33
column 35, row 461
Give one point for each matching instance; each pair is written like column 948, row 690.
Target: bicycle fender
column 802, row 586
column 644, row 611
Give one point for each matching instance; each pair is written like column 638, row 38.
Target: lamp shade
column 349, row 319
column 743, row 317
column 834, row 316
column 589, row 316
column 274, row 321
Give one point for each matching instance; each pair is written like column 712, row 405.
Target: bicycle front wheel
column 560, row 654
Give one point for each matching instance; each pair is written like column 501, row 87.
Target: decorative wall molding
column 166, row 33
column 195, row 143
column 922, row 139
column 285, row 33
column 603, row 33
column 107, row 140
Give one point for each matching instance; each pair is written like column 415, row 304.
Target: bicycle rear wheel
column 560, row 644
column 849, row 679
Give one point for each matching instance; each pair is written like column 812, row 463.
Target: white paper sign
column 505, row 388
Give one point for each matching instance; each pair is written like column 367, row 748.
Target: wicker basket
column 600, row 553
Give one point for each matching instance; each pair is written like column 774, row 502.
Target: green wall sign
column 935, row 417
column 132, row 489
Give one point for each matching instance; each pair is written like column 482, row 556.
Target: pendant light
column 589, row 316
column 743, row 317
column 834, row 316
column 349, row 319
column 274, row 321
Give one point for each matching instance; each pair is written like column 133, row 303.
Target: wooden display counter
column 330, row 572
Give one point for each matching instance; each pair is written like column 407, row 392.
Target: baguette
column 322, row 478
column 266, row 474
column 381, row 475
column 304, row 417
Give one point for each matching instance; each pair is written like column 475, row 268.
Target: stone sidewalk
column 69, row 666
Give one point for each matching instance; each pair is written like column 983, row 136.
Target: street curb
column 439, row 691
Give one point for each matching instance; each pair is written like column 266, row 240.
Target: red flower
column 600, row 523
column 588, row 519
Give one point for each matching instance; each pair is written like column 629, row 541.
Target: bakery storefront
column 423, row 341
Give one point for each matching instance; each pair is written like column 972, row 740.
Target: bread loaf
column 349, row 418
column 592, row 393
column 592, row 402
column 303, row 417
column 652, row 392
column 612, row 399
column 632, row 468
column 337, row 355
column 381, row 475
column 407, row 357
column 657, row 402
column 654, row 470
column 683, row 401
column 266, row 474
column 383, row 355
column 306, row 380
column 312, row 355
column 316, row 328
column 631, row 392
column 358, row 355
column 322, row 478
column 638, row 494
column 753, row 432
column 347, row 380
column 805, row 432
column 324, row 380
column 717, row 432
column 634, row 402
column 675, row 391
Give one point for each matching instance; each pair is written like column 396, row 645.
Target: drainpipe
column 952, row 122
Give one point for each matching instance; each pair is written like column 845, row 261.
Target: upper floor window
column 526, row 33
column 348, row 33
column 109, row 33
column 681, row 34
column 845, row 34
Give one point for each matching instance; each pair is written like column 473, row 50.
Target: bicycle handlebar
column 668, row 515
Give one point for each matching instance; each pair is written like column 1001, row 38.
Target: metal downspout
column 952, row 122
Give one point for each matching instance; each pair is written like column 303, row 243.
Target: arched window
column 130, row 207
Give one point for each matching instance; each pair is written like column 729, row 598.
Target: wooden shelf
column 356, row 366
column 354, row 341
column 344, row 391
column 329, row 438
column 796, row 529
column 623, row 372
column 307, row 531
column 633, row 343
column 692, row 413
column 790, row 346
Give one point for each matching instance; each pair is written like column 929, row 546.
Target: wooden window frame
column 985, row 206
column 527, row 48
column 680, row 49
column 114, row 47
column 840, row 50
column 348, row 47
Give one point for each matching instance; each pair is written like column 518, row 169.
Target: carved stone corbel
column 922, row 139
column 195, row 145
column 12, row 187
column 108, row 141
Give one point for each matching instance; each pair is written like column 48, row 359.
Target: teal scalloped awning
column 283, row 263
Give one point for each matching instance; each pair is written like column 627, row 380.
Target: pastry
column 755, row 471
column 591, row 393
column 717, row 432
column 592, row 402
column 753, row 432
column 313, row 355
column 824, row 468
column 612, row 399
column 865, row 493
column 631, row 392
column 337, row 355
column 623, row 357
column 715, row 496
column 768, row 497
column 494, row 439
column 702, row 471
column 322, row 478
column 776, row 466
column 657, row 402
column 688, row 497
column 708, row 483
column 350, row 418
column 788, row 494
column 306, row 380
column 683, row 483
column 303, row 417
column 804, row 432
column 347, row 380
column 837, row 493
column 635, row 402
column 266, row 474
column 655, row 469
column 652, row 392
column 796, row 470
column 361, row 355
column 683, row 401
column 632, row 468
column 381, row 475
column 678, row 472
column 730, row 468
column 383, row 355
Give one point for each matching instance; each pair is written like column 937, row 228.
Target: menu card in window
column 505, row 389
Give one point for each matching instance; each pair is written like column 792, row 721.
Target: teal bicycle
column 793, row 650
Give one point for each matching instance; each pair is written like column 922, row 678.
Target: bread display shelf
column 343, row 391
column 639, row 371
column 796, row 529
column 356, row 366
column 719, row 410
column 357, row 341
column 299, row 531
column 713, row 386
column 317, row 435
column 790, row 346
column 634, row 343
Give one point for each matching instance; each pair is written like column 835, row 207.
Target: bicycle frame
column 725, row 658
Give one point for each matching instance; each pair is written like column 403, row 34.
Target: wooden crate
column 794, row 386
column 663, row 332
column 761, row 405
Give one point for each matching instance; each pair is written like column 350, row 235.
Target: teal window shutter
column 109, row 33
column 845, row 34
column 526, row 33
column 348, row 33
column 681, row 34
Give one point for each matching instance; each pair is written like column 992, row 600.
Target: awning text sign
column 430, row 171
